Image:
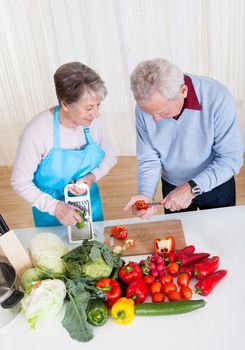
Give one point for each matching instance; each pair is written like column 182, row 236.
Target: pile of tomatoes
column 165, row 281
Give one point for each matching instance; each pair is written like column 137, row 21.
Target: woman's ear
column 64, row 106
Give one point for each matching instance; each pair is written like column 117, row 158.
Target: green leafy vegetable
column 80, row 292
column 92, row 259
column 75, row 320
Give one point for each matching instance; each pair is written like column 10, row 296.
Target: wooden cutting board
column 144, row 234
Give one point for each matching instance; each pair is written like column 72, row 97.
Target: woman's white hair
column 156, row 75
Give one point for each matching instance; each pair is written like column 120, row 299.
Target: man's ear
column 64, row 106
column 184, row 90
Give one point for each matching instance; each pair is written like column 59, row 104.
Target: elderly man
column 188, row 135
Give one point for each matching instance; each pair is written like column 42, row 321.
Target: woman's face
column 82, row 112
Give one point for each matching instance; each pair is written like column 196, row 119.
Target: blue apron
column 60, row 167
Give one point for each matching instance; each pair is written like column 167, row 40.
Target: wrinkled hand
column 88, row 179
column 66, row 213
column 180, row 198
column 143, row 214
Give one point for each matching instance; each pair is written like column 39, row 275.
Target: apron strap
column 88, row 135
column 56, row 127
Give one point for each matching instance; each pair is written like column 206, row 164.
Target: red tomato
column 141, row 205
column 174, row 295
column 173, row 269
column 166, row 279
column 157, row 297
column 183, row 279
column 186, row 292
column 155, row 287
column 169, row 287
column 149, row 279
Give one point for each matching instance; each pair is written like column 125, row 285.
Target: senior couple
column 188, row 137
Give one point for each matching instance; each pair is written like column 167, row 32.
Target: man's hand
column 66, row 213
column 143, row 214
column 180, row 198
column 88, row 179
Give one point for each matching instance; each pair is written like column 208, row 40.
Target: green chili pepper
column 81, row 224
column 97, row 313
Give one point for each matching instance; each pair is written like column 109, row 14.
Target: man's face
column 160, row 107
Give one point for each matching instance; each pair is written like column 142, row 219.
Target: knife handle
column 3, row 226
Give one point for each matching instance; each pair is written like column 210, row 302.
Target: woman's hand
column 143, row 214
column 88, row 179
column 67, row 213
column 180, row 198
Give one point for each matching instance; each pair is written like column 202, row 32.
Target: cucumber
column 168, row 308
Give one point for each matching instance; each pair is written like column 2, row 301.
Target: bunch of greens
column 80, row 292
column 91, row 258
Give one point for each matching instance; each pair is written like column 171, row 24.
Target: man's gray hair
column 156, row 75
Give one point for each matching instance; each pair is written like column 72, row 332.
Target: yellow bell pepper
column 123, row 311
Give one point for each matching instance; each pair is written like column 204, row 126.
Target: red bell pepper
column 111, row 288
column 172, row 256
column 164, row 246
column 137, row 290
column 206, row 285
column 141, row 205
column 129, row 272
column 187, row 269
column 192, row 259
column 205, row 267
column 119, row 232
column 186, row 251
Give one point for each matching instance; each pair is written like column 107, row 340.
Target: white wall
column 203, row 37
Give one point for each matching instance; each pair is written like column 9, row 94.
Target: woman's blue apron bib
column 60, row 167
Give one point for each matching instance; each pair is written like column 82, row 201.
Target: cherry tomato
column 157, row 297
column 174, row 295
column 183, row 279
column 149, row 279
column 186, row 292
column 166, row 279
column 169, row 287
column 141, row 205
column 155, row 287
column 173, row 269
column 119, row 232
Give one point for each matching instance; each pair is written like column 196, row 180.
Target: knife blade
column 3, row 226
column 155, row 203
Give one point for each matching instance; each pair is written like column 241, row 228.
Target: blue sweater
column 205, row 146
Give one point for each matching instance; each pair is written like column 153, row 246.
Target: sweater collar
column 191, row 100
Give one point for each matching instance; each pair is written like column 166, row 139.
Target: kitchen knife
column 3, row 226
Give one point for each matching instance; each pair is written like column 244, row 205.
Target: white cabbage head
column 44, row 300
column 46, row 250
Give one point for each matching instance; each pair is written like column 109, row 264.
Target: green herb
column 80, row 292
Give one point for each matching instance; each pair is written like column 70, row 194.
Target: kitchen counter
column 219, row 325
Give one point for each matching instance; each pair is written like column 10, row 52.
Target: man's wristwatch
column 195, row 189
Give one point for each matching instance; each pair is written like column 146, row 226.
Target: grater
column 77, row 234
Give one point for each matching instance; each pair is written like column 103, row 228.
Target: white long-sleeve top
column 37, row 140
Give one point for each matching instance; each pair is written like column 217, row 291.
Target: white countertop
column 219, row 325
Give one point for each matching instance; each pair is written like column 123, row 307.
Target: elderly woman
column 63, row 144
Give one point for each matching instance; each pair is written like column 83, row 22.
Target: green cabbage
column 91, row 258
column 44, row 300
column 30, row 276
column 46, row 251
column 97, row 269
